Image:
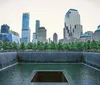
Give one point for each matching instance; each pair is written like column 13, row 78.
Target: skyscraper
column 25, row 21
column 34, row 38
column 5, row 28
column 72, row 26
column 37, row 25
column 25, row 28
column 55, row 38
column 96, row 34
column 41, row 34
column 8, row 35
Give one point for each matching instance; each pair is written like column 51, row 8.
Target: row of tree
column 73, row 46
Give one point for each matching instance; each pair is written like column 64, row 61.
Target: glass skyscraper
column 37, row 25
column 5, row 28
column 55, row 38
column 72, row 24
column 25, row 28
column 25, row 21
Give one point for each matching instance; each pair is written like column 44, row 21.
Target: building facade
column 26, row 36
column 34, row 40
column 41, row 34
column 72, row 24
column 96, row 34
column 37, row 25
column 25, row 21
column 5, row 28
column 25, row 28
column 9, row 36
column 55, row 38
column 84, row 37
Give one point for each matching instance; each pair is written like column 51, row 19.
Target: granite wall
column 50, row 57
column 7, row 58
column 92, row 58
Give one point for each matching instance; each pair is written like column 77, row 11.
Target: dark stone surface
column 7, row 58
column 92, row 58
column 49, row 56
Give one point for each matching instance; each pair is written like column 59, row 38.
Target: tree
column 89, row 45
column 93, row 45
column 46, row 46
column 40, row 45
column 22, row 46
column 79, row 46
column 66, row 46
column 15, row 46
column 98, row 46
column 84, row 46
column 29, row 45
column 1, row 45
column 7, row 45
column 53, row 46
column 34, row 46
column 73, row 46
column 59, row 46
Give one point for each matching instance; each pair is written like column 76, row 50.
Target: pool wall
column 92, row 58
column 7, row 59
column 50, row 57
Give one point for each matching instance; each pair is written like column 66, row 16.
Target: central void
column 49, row 76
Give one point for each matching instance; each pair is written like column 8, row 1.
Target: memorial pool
column 78, row 74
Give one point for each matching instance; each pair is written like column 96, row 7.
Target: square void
column 49, row 76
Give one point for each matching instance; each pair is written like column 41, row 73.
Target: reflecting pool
column 77, row 74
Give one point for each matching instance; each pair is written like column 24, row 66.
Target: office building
column 55, row 38
column 90, row 33
column 37, row 25
column 5, row 28
column 96, row 34
column 49, row 40
column 34, row 40
column 72, row 25
column 9, row 36
column 25, row 21
column 14, row 33
column 41, row 34
column 84, row 37
column 25, row 28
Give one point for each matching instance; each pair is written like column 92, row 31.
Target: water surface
column 79, row 74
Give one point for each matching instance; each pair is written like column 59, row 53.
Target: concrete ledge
column 8, row 66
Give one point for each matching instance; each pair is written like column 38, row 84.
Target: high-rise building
column 37, row 25
column 72, row 26
column 96, row 34
column 41, row 34
column 5, row 28
column 49, row 40
column 55, row 38
column 25, row 21
column 25, row 28
column 7, row 35
column 34, row 38
column 14, row 33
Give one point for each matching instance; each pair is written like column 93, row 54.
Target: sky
column 51, row 14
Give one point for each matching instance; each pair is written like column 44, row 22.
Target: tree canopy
column 73, row 46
